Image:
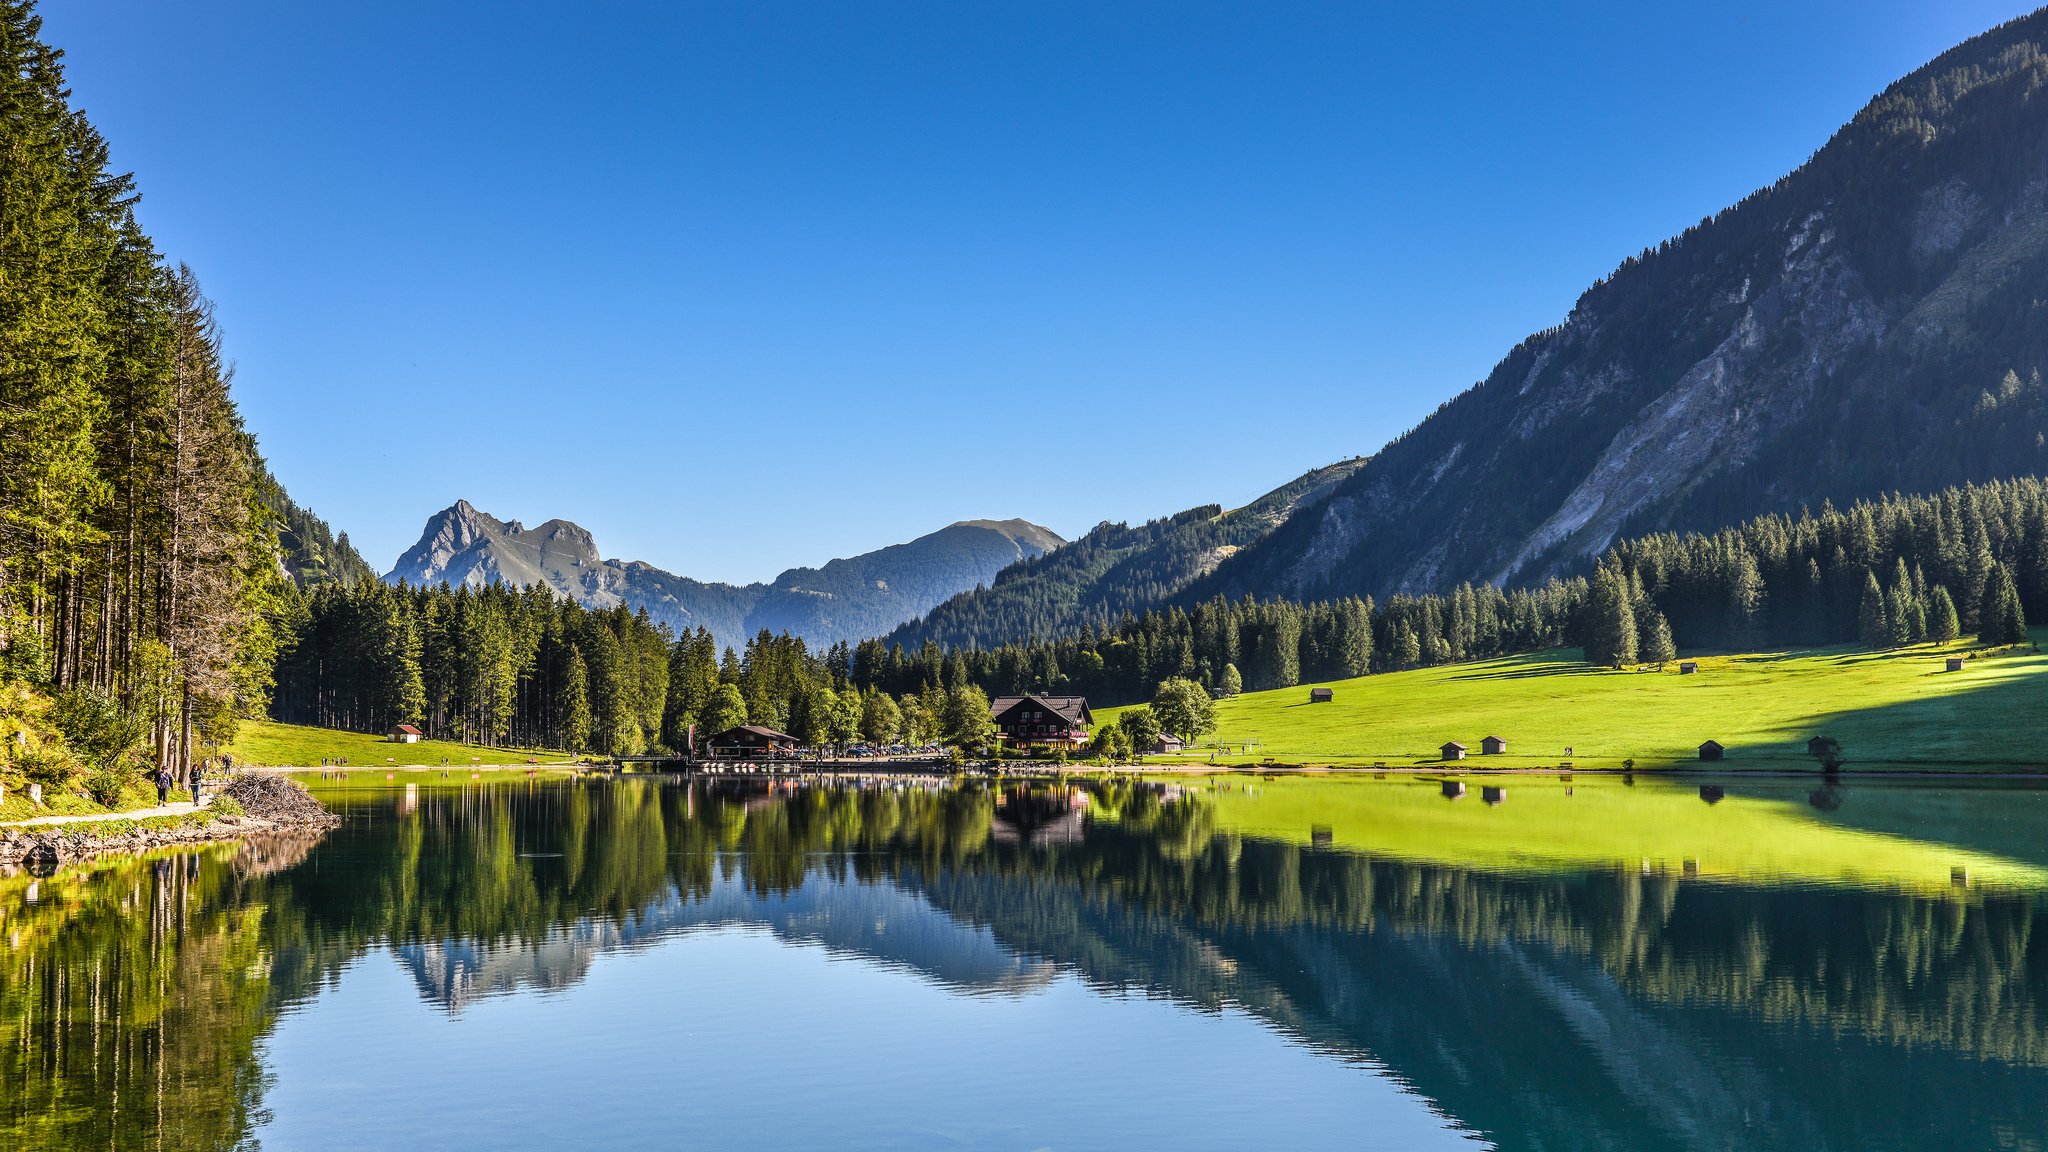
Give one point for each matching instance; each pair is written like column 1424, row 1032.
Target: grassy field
column 296, row 746
column 1768, row 833
column 1888, row 709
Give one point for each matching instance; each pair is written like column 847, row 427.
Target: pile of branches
column 278, row 799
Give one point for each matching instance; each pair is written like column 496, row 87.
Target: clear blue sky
column 740, row 286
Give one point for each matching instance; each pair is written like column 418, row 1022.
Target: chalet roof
column 409, row 730
column 1495, row 739
column 1072, row 709
column 1455, row 744
column 759, row 730
column 1712, row 744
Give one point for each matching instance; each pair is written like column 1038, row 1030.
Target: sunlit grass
column 1545, row 824
column 1888, row 709
column 298, row 746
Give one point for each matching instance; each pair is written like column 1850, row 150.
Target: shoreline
column 269, row 804
column 36, row 847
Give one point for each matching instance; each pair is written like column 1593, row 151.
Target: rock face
column 1872, row 322
column 846, row 599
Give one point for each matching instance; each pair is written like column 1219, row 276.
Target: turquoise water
column 640, row 965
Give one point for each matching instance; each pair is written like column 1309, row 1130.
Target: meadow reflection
column 1602, row 1006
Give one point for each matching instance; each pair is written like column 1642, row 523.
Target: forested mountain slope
column 847, row 599
column 1113, row 569
column 1875, row 321
column 308, row 548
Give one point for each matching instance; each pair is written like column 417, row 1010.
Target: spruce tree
column 1871, row 626
column 2005, row 620
column 1942, row 625
column 1657, row 646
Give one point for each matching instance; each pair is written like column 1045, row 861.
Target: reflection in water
column 1591, row 1007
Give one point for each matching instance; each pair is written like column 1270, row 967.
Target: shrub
column 49, row 767
column 224, row 805
column 106, row 784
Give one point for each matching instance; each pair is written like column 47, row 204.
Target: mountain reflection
column 1589, row 1008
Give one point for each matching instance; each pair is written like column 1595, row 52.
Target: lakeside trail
column 181, row 809
column 270, row 803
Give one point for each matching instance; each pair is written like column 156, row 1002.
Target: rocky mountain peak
column 846, row 599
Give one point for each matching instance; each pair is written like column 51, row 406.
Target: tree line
column 501, row 666
column 524, row 668
column 138, row 565
column 1887, row 572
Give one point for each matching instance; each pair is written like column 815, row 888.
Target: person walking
column 163, row 786
column 198, row 774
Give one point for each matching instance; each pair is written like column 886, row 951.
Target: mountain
column 1113, row 569
column 1875, row 321
column 308, row 549
column 846, row 599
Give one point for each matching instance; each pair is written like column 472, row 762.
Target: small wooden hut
column 1712, row 750
column 1688, row 667
column 1955, row 663
column 1320, row 695
column 1492, row 746
column 1453, row 751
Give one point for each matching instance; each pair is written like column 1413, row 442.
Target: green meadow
column 1890, row 710
column 1770, row 833
column 276, row 745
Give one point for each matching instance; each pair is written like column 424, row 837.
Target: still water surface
column 1233, row 963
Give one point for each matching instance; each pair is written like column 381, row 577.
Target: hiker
column 163, row 786
column 198, row 773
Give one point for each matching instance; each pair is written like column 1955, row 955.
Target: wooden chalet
column 1168, row 742
column 406, row 734
column 1042, row 721
column 751, row 742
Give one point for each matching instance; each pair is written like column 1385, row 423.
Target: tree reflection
column 133, row 992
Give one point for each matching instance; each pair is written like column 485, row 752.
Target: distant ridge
column 1114, row 569
column 1872, row 322
column 846, row 599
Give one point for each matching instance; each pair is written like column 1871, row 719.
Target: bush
column 226, row 806
column 49, row 767
column 106, row 784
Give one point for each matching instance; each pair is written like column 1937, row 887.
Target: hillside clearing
column 1892, row 710
column 270, row 744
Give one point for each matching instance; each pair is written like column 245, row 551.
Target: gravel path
column 134, row 814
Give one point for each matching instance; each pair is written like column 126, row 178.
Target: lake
column 1203, row 963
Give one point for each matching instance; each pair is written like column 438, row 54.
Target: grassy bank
column 1890, row 710
column 297, row 746
column 1768, row 833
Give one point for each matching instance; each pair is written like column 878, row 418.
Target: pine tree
column 1942, row 625
column 573, row 709
column 1610, row 621
column 1871, row 626
column 1657, row 646
column 2005, row 620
